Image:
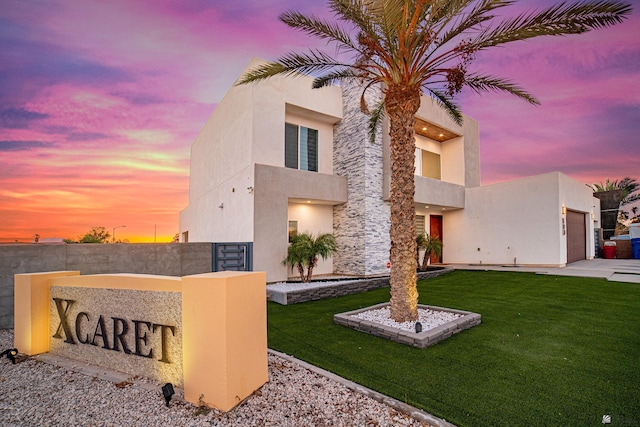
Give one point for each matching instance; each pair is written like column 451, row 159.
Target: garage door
column 576, row 237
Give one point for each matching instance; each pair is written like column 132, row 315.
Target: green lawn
column 551, row 351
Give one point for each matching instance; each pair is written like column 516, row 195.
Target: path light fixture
column 418, row 327
column 167, row 392
column 11, row 354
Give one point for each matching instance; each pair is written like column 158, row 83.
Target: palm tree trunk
column 401, row 104
column 312, row 263
column 301, row 272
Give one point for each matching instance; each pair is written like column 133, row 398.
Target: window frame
column 306, row 147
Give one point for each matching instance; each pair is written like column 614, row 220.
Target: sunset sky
column 100, row 102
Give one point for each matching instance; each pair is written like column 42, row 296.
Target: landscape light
column 418, row 327
column 167, row 392
column 11, row 354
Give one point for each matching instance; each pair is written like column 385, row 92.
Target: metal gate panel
column 233, row 256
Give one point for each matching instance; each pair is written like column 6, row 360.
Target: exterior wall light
column 221, row 205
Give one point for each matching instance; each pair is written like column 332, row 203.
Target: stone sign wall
column 206, row 333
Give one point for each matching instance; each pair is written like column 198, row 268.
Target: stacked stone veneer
column 361, row 226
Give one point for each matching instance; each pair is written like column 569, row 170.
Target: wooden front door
column 435, row 230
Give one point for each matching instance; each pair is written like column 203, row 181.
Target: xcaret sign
column 205, row 333
column 129, row 336
column 124, row 329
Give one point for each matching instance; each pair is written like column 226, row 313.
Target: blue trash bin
column 635, row 248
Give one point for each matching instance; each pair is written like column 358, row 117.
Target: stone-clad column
column 361, row 226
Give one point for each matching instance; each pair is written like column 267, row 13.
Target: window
column 427, row 164
column 420, row 225
column 293, row 229
column 300, row 148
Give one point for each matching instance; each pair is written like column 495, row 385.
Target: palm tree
column 304, row 250
column 628, row 187
column 431, row 245
column 411, row 47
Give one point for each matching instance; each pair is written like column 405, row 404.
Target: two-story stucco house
column 279, row 157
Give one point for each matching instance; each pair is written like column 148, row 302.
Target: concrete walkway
column 616, row 270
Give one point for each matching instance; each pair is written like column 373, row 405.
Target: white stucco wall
column 516, row 221
column 314, row 219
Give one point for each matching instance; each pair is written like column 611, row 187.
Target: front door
column 435, row 230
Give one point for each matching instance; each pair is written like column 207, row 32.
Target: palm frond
column 375, row 119
column 447, row 103
column 561, row 19
column 314, row 62
column 466, row 21
column 481, row 84
column 335, row 77
column 318, row 28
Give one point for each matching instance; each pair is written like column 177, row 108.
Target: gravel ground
column 33, row 393
column 428, row 318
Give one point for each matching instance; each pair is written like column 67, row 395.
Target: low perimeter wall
column 168, row 259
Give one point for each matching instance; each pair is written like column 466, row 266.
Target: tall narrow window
column 420, row 223
column 293, row 229
column 300, row 147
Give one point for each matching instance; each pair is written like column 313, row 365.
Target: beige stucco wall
column 206, row 221
column 516, row 221
column 247, row 128
column 275, row 187
column 460, row 156
column 431, row 191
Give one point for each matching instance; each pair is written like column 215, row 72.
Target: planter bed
column 302, row 292
column 423, row 339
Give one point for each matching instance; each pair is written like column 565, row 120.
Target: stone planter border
column 420, row 340
column 314, row 293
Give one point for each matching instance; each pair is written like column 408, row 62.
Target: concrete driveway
column 617, row 270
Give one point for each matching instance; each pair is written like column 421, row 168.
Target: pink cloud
column 113, row 94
